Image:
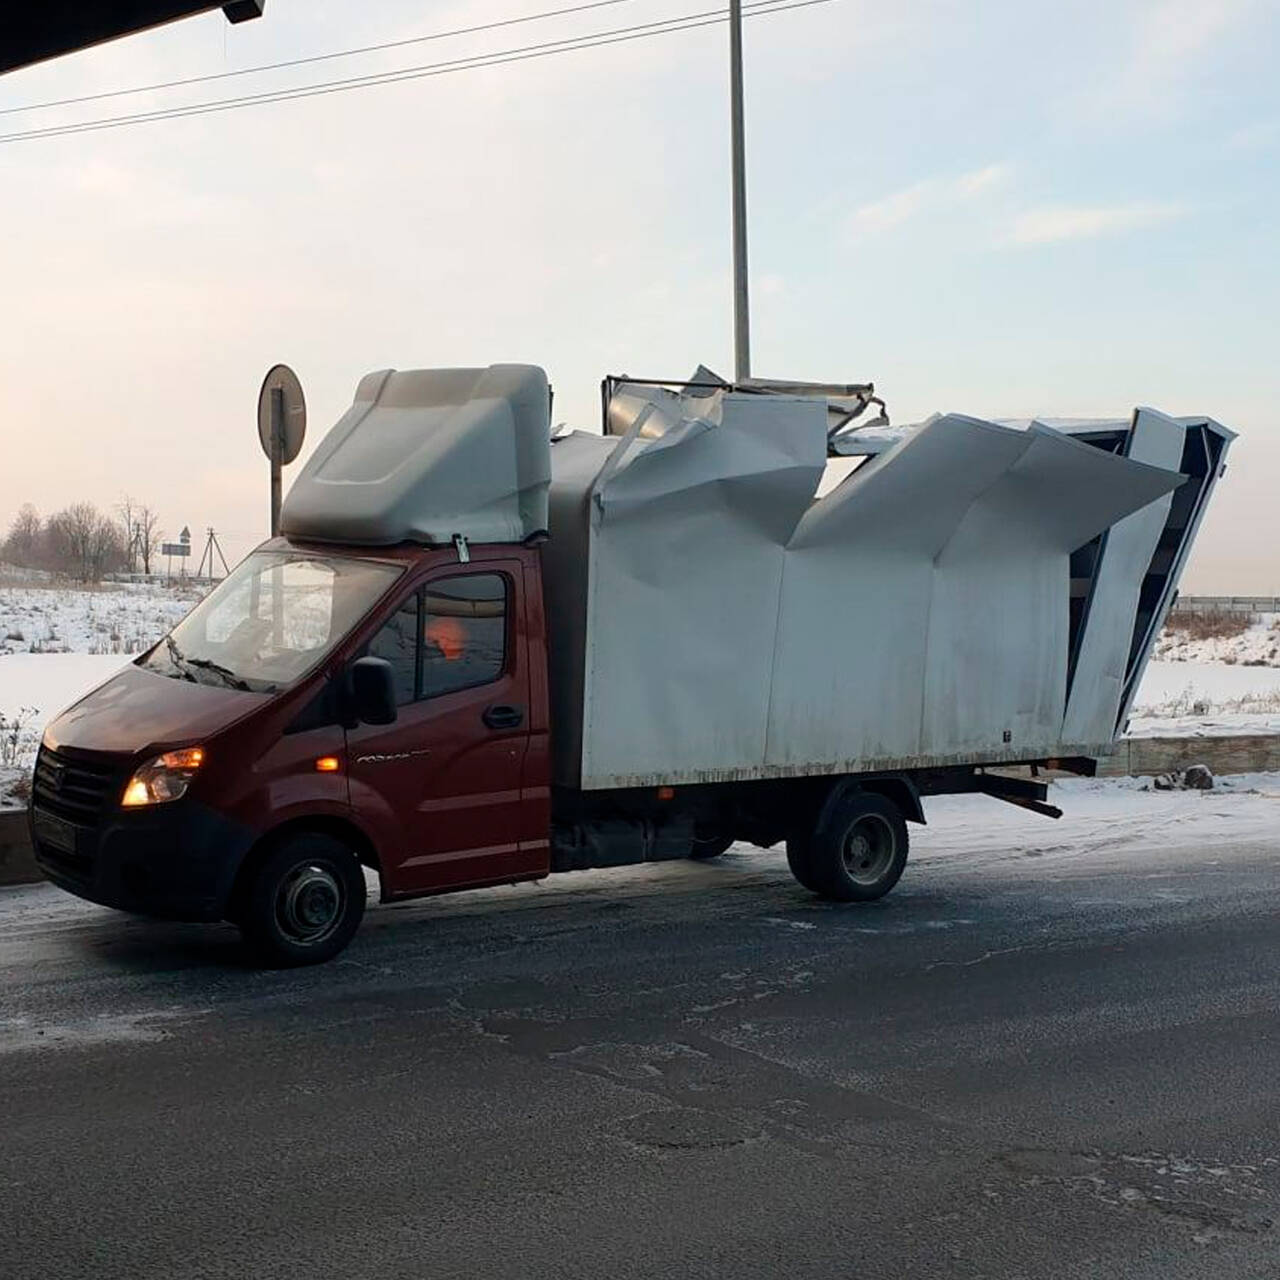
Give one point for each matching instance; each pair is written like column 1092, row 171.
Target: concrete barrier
column 17, row 865
column 1148, row 757
column 1227, row 604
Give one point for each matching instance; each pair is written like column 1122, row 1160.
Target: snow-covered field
column 1189, row 699
column 111, row 619
column 58, row 643
column 1256, row 644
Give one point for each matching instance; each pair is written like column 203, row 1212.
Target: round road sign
column 293, row 408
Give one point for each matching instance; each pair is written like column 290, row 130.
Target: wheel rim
column 310, row 903
column 868, row 849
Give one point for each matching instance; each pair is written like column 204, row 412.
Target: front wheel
column 858, row 851
column 305, row 901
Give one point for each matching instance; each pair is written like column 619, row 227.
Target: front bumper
column 178, row 862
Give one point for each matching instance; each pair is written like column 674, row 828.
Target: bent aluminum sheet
column 730, row 625
column 428, row 455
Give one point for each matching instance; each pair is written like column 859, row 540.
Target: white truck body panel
column 731, row 625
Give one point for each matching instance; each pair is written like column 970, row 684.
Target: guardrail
column 1227, row 604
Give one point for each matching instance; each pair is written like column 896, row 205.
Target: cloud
column 931, row 194
column 971, row 184
column 1170, row 43
column 1256, row 136
column 1055, row 223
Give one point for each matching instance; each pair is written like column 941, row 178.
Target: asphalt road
column 1032, row 1063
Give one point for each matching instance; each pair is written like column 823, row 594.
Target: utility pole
column 741, row 305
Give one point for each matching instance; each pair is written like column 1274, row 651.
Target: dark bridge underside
column 38, row 29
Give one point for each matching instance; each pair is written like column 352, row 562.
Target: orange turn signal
column 328, row 764
column 666, row 793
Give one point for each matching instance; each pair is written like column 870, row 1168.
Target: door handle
column 503, row 717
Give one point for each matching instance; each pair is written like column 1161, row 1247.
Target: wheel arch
column 897, row 788
column 322, row 824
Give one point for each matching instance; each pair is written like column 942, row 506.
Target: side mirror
column 373, row 688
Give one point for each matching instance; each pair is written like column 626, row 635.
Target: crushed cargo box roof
column 713, row 618
column 429, row 455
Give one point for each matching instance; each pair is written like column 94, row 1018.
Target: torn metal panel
column 998, row 625
column 1111, row 608
column 430, row 455
column 941, row 567
column 687, row 538
column 1203, row 463
column 738, row 626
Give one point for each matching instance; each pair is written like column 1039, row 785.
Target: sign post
column 282, row 426
column 181, row 549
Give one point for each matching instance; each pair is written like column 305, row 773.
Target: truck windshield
column 271, row 620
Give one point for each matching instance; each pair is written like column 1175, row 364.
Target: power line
column 318, row 57
column 566, row 44
column 622, row 35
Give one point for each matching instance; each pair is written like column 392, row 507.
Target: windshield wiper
column 179, row 661
column 224, row 673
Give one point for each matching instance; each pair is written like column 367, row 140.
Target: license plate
column 56, row 832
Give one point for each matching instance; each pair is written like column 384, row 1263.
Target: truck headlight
column 165, row 778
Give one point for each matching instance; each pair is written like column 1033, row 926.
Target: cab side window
column 464, row 632
column 397, row 642
column 451, row 635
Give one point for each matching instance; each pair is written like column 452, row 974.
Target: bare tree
column 24, row 544
column 149, row 535
column 84, row 542
column 128, row 511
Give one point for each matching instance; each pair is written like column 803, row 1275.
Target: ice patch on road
column 21, row 1034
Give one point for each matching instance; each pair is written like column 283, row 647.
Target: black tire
column 304, row 903
column 705, row 850
column 798, row 860
column 858, row 851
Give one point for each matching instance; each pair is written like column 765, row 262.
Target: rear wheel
column 305, row 901
column 857, row 853
column 798, row 859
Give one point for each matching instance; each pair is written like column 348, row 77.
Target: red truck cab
column 319, row 710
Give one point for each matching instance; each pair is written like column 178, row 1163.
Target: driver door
column 446, row 778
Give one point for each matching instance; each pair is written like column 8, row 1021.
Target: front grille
column 75, row 789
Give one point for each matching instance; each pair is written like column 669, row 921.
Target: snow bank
column 1258, row 643
column 1190, row 699
column 1105, row 817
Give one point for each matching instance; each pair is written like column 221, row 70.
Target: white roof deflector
column 429, row 455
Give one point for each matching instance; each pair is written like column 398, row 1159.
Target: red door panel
column 447, row 776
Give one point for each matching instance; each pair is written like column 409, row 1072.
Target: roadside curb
column 1134, row 758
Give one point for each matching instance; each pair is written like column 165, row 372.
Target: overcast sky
column 1003, row 209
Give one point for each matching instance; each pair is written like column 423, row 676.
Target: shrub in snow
column 1196, row 777
column 17, row 737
